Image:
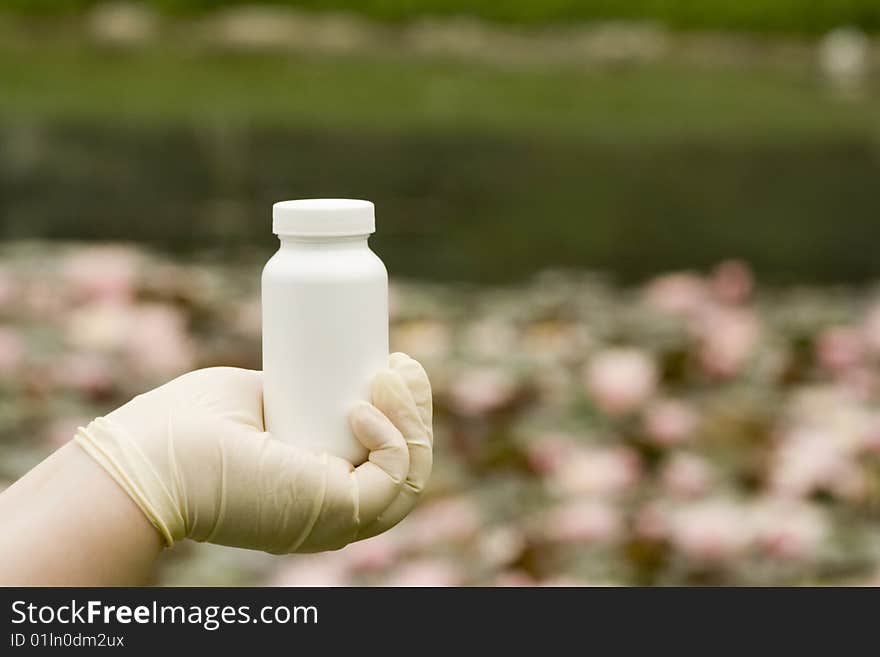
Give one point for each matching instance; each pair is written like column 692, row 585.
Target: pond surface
column 455, row 207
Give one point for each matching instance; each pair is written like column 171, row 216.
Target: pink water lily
column 620, row 380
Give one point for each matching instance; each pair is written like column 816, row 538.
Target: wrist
column 98, row 494
column 111, row 446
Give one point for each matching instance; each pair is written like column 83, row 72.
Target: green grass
column 769, row 15
column 70, row 81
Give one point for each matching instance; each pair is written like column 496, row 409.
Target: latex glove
column 194, row 456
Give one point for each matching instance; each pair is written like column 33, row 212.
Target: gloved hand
column 195, row 458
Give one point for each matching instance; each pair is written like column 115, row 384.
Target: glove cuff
column 119, row 454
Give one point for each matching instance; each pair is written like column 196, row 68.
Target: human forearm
column 67, row 523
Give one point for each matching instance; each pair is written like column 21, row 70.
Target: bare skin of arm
column 67, row 523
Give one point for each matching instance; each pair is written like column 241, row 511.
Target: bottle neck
column 324, row 242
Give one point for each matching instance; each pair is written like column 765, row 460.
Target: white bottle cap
column 323, row 217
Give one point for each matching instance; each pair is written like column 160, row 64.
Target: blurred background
column 632, row 241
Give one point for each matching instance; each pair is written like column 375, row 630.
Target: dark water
column 457, row 207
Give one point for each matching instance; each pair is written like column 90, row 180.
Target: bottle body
column 325, row 335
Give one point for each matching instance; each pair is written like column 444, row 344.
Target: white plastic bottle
column 325, row 322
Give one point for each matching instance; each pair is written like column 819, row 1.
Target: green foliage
column 763, row 15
